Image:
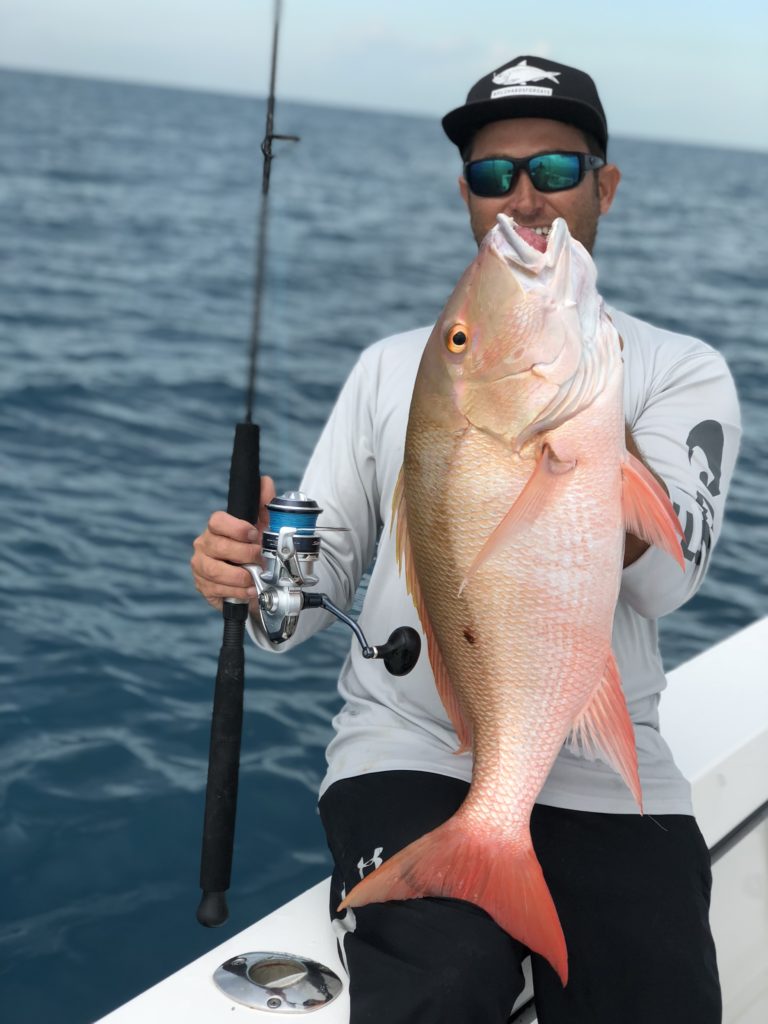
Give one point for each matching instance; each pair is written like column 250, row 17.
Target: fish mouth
column 526, row 245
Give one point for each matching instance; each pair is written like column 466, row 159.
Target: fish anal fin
column 648, row 512
column 502, row 876
column 604, row 729
column 539, row 490
column 404, row 556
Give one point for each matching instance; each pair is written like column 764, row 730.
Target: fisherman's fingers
column 222, row 549
column 216, row 580
column 222, row 524
column 225, row 545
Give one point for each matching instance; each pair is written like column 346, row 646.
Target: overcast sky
column 668, row 69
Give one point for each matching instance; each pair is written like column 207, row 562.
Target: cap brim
column 462, row 123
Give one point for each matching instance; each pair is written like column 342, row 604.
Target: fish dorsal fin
column 604, row 729
column 404, row 555
column 648, row 512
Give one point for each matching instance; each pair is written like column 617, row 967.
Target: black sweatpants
column 632, row 894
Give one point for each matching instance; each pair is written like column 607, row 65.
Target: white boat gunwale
column 714, row 715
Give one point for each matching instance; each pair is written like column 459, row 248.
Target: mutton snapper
column 512, row 506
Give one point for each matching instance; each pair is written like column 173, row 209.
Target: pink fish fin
column 445, row 690
column 647, row 510
column 457, row 861
column 541, row 487
column 404, row 555
column 398, row 517
column 604, row 729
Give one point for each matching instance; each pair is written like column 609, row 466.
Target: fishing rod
column 291, row 545
column 242, row 502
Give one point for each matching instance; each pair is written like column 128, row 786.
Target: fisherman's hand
column 225, row 545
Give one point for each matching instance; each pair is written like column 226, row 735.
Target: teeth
column 543, row 231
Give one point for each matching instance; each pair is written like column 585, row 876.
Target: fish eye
column 457, row 339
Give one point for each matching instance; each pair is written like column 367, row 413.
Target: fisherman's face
column 581, row 206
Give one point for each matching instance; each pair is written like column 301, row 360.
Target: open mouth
column 535, row 237
column 524, row 245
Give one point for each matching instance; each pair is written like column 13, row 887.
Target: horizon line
column 225, row 91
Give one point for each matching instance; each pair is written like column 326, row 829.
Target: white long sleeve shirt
column 681, row 404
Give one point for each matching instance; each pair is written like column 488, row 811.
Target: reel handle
column 399, row 654
column 401, row 651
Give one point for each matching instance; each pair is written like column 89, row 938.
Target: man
column 632, row 891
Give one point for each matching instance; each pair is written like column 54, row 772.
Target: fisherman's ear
column 464, row 189
column 608, row 179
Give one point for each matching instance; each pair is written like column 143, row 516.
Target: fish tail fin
column 454, row 862
column 648, row 512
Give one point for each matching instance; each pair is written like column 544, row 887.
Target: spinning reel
column 290, row 546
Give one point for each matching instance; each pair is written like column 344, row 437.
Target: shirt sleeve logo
column 705, row 448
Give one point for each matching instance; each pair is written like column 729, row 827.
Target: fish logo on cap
column 523, row 74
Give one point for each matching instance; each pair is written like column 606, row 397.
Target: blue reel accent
column 303, row 522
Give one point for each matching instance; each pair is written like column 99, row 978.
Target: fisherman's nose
column 524, row 198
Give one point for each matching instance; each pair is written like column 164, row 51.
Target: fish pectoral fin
column 404, row 555
column 648, row 512
column 604, row 729
column 540, row 489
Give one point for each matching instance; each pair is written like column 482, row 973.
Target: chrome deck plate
column 278, row 982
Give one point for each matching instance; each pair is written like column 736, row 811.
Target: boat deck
column 714, row 715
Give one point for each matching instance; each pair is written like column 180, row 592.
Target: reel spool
column 295, row 511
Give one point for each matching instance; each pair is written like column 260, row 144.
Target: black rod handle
column 227, row 717
column 245, row 473
column 223, row 770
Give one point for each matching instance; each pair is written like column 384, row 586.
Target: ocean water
column 127, row 221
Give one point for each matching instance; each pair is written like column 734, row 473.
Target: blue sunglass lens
column 491, row 177
column 554, row 172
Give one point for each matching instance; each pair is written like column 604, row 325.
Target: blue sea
column 127, row 236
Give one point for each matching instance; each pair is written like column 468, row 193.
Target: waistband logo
column 374, row 862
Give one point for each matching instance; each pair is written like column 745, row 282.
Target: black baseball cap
column 530, row 87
